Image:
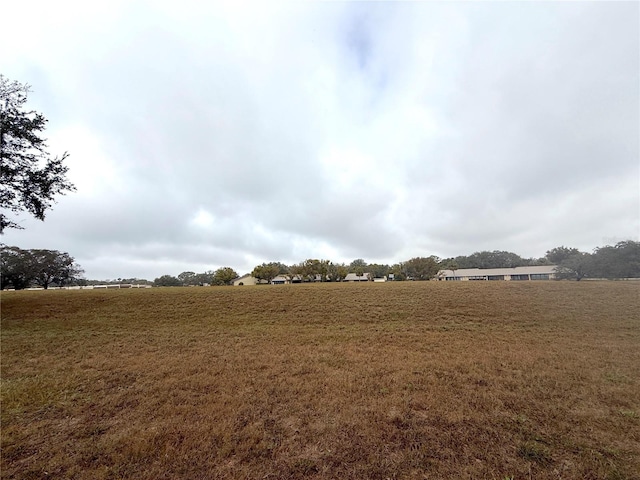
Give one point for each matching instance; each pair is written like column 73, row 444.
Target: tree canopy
column 267, row 271
column 30, row 178
column 23, row 268
column 224, row 276
column 611, row 261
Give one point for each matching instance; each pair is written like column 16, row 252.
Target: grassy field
column 523, row 380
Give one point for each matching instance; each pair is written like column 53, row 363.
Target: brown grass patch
column 400, row 380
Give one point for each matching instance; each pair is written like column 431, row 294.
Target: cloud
column 233, row 134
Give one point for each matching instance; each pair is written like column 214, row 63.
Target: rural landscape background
column 207, row 144
column 488, row 380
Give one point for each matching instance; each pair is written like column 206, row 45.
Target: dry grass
column 407, row 380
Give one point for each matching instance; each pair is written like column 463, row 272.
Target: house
column 247, row 280
column 352, row 277
column 286, row 279
column 533, row 272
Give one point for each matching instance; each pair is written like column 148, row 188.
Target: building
column 286, row 279
column 352, row 277
column 247, row 280
column 535, row 272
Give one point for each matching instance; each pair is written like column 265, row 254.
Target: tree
column 358, row 262
column 312, row 269
column 29, row 177
column 205, row 278
column 224, row 276
column 188, row 278
column 619, row 261
column 295, row 273
column 22, row 268
column 494, row 259
column 15, row 268
column 378, row 271
column 422, row 268
column 52, row 266
column 559, row 254
column 336, row 273
column 578, row 266
column 266, row 271
column 341, row 272
column 167, row 281
column 399, row 271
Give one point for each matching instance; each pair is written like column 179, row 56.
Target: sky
column 211, row 134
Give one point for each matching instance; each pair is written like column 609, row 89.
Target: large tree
column 559, row 254
column 167, row 281
column 493, row 259
column 30, row 178
column 619, row 261
column 22, row 268
column 337, row 272
column 358, row 262
column 422, row 268
column 266, row 271
column 576, row 266
column 224, row 276
column 15, row 268
column 52, row 266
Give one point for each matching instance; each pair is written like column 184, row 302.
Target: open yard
column 530, row 380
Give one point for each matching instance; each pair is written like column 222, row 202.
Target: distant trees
column 23, row 268
column 267, row 271
column 224, row 276
column 357, row 263
column 337, row 272
column 559, row 254
column 191, row 279
column 493, row 259
column 398, row 271
column 167, row 281
column 187, row 278
column 15, row 268
column 30, row 178
column 203, row 279
column 619, row 261
column 377, row 270
column 575, row 267
column 422, row 268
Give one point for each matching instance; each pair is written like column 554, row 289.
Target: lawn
column 530, row 380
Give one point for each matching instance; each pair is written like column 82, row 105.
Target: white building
column 352, row 277
column 536, row 272
column 247, row 280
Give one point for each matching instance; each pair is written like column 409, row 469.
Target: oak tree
column 30, row 178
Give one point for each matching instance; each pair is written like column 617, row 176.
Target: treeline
column 25, row 268
column 21, row 269
column 619, row 261
column 221, row 276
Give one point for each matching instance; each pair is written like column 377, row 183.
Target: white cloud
column 205, row 135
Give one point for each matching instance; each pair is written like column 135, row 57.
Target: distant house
column 247, row 280
column 352, row 277
column 286, row 279
column 534, row 272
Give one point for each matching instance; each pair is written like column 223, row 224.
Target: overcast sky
column 231, row 134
